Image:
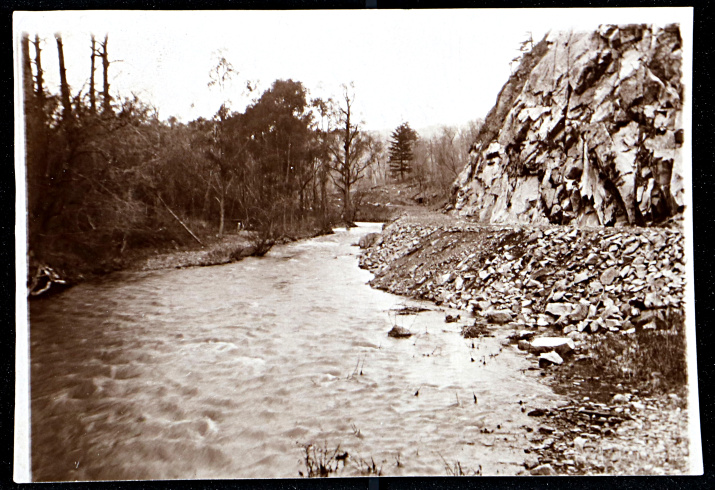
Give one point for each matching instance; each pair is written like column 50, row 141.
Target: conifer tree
column 402, row 140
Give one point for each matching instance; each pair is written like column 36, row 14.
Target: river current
column 229, row 371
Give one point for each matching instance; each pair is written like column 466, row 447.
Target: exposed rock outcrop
column 587, row 131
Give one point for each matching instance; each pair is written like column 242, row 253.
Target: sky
column 424, row 67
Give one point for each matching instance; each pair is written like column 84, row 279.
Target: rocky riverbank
column 609, row 302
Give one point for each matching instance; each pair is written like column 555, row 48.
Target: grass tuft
column 320, row 462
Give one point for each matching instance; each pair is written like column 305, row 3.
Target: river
column 229, row 371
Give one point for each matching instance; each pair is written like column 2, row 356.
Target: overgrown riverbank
column 613, row 297
column 67, row 259
column 66, row 265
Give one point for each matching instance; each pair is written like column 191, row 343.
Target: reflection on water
column 225, row 371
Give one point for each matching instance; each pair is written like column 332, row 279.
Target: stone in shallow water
column 399, row 332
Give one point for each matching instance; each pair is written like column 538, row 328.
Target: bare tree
column 26, row 72
column 351, row 152
column 64, row 87
column 39, row 85
column 219, row 76
column 106, row 98
column 92, row 96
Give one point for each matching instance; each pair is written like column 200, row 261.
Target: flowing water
column 229, row 371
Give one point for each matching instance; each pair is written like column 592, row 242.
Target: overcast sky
column 423, row 67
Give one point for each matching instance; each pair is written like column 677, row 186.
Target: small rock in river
column 399, row 332
column 537, row 412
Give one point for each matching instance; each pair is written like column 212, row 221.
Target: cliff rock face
column 587, row 131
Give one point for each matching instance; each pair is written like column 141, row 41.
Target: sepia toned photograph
column 368, row 243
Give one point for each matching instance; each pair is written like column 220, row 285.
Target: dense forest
column 107, row 178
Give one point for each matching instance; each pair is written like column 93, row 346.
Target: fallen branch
column 179, row 220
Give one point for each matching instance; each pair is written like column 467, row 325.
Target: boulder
column 646, row 317
column 494, row 315
column 561, row 345
column 579, row 443
column 369, row 240
column 537, row 412
column 609, row 275
column 524, row 345
column 621, row 398
column 581, row 277
column 580, row 312
column 549, row 358
column 559, row 309
column 531, row 461
column 543, row 470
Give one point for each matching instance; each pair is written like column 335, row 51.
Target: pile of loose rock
column 580, row 280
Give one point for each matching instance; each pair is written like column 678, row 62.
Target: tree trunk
column 64, row 88
column 346, row 170
column 92, row 97
column 26, row 77
column 222, row 206
column 106, row 98
column 39, row 80
column 38, row 110
column 207, row 199
column 347, row 208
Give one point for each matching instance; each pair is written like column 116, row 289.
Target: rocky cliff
column 587, row 131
